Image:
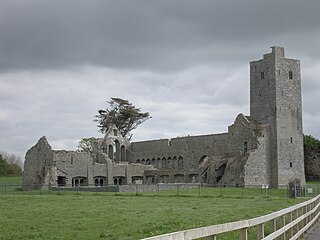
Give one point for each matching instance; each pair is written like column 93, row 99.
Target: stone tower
column 275, row 100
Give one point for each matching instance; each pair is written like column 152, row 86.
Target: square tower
column 275, row 99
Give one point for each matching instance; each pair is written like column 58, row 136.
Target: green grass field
column 87, row 215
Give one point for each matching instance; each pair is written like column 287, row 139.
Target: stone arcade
column 265, row 148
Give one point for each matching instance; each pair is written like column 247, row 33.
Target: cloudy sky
column 186, row 62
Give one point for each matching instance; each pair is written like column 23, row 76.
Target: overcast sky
column 185, row 62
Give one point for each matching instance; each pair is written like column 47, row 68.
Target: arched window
column 180, row 163
column 110, row 152
column 164, row 163
column 174, row 162
column 117, row 153
column 123, row 153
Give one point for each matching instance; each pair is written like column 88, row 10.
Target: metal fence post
column 199, row 190
column 136, row 190
column 177, row 190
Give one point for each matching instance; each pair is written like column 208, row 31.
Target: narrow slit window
column 291, row 164
column 290, row 75
column 262, row 75
column 291, row 140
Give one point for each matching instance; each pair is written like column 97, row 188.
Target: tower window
column 290, row 75
column 291, row 164
column 262, row 75
column 291, row 140
column 245, row 147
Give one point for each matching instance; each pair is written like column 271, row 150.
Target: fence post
column 243, row 234
column 290, row 231
column 212, row 237
column 5, row 188
column 260, row 231
column 158, row 189
column 273, row 225
column 282, row 224
column 178, row 190
column 199, row 190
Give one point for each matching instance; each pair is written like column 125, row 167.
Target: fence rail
column 294, row 222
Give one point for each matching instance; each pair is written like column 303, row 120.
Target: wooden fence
column 293, row 222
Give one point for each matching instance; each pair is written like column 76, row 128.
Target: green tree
column 3, row 166
column 123, row 115
column 311, row 146
column 10, row 164
column 86, row 145
column 311, row 158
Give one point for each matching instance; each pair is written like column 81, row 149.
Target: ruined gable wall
column 38, row 160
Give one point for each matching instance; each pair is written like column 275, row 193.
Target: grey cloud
column 141, row 34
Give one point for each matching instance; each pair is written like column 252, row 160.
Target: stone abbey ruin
column 265, row 148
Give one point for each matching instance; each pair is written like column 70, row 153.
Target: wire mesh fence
column 184, row 190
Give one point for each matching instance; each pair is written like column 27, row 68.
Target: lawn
column 68, row 215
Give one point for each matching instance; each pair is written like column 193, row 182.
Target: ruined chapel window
column 290, row 75
column 115, row 132
column 262, row 75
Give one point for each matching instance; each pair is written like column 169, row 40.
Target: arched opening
column 99, row 181
column 178, row 178
column 163, row 163
column 79, row 181
column 220, row 172
column 148, row 161
column 180, row 163
column 169, row 163
column 110, row 152
column 123, row 154
column 158, row 162
column 115, row 181
column 219, row 178
column 117, row 153
column 138, row 161
column 143, row 161
column 174, row 162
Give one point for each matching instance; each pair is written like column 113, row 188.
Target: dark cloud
column 141, row 34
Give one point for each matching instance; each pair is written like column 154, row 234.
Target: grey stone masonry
column 275, row 99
